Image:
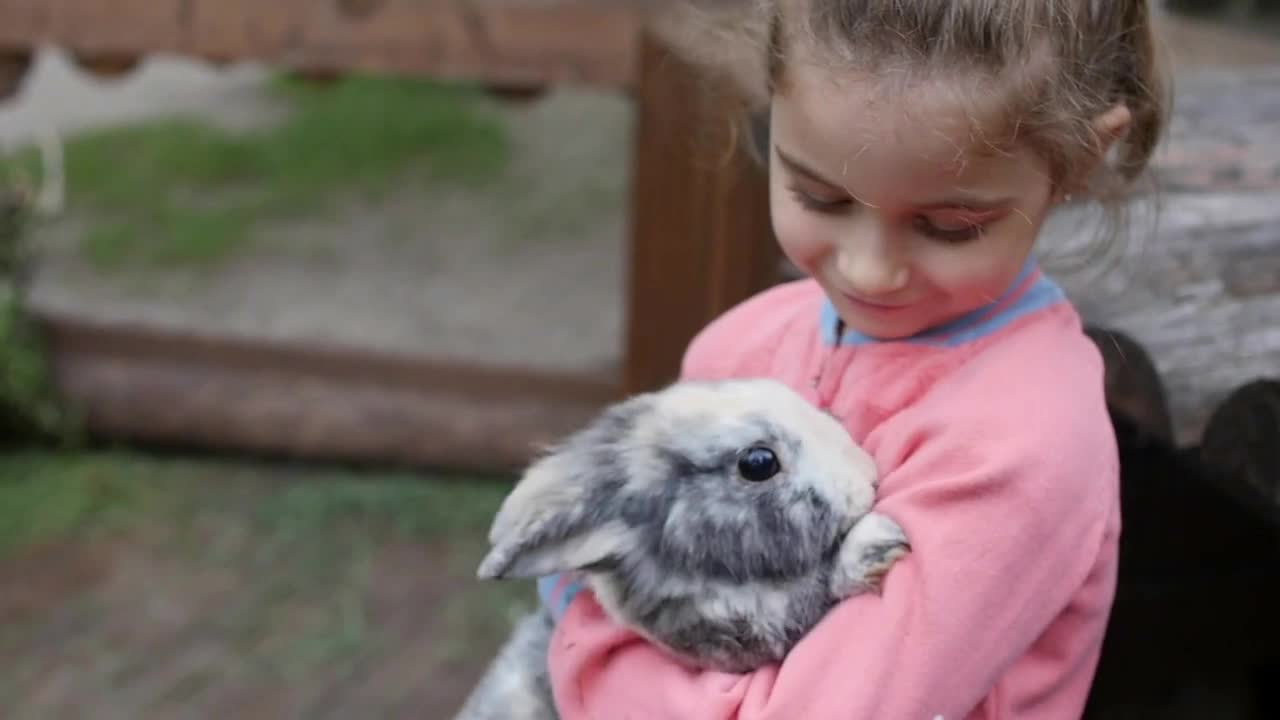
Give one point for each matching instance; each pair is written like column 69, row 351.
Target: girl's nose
column 870, row 267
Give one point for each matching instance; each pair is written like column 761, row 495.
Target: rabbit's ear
column 563, row 514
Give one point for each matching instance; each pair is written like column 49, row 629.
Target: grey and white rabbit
column 719, row 519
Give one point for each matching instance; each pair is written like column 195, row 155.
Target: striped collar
column 1030, row 291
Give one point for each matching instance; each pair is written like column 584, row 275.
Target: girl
column 916, row 148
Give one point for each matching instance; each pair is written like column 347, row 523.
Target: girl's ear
column 1108, row 126
column 1111, row 125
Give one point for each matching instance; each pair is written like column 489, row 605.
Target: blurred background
column 166, row 217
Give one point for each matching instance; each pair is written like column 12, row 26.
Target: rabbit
column 719, row 519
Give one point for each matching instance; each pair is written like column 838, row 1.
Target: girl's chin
column 881, row 328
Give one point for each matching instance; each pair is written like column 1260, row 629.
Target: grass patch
column 479, row 614
column 388, row 505
column 47, row 495
column 298, row 552
column 178, row 191
column 328, row 529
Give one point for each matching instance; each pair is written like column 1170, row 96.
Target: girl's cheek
column 975, row 282
column 801, row 239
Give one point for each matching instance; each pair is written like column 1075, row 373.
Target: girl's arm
column 1006, row 522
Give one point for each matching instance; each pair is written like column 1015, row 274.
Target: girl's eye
column 952, row 230
column 818, row 203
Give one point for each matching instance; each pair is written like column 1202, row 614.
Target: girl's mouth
column 876, row 306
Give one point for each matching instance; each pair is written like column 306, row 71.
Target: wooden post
column 303, row 399
column 701, row 235
column 14, row 66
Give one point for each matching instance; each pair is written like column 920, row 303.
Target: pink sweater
column 998, row 460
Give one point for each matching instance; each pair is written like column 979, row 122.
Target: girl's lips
column 875, row 306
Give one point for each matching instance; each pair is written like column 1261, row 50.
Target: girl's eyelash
column 960, row 235
column 818, row 204
column 921, row 223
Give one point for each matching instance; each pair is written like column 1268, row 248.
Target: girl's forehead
column 936, row 120
column 919, row 133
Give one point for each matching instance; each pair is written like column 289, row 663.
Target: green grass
column 420, row 509
column 298, row 551
column 180, row 191
column 46, row 496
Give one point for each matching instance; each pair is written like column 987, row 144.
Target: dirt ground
column 112, row 654
column 233, row 589
column 404, row 271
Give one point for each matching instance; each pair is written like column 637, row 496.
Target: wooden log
column 1194, row 275
column 513, row 42
column 15, row 64
column 701, row 234
column 1223, row 132
column 107, row 66
column 1200, row 293
column 319, row 402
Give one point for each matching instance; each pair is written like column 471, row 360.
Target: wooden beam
column 152, row 385
column 702, row 239
column 506, row 42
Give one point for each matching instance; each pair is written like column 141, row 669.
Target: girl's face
column 891, row 205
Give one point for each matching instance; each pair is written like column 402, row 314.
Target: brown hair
column 1046, row 67
column 1034, row 72
column 1051, row 65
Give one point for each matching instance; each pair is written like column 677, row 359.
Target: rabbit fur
column 719, row 519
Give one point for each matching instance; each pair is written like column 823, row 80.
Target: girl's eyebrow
column 798, row 168
column 966, row 201
column 960, row 200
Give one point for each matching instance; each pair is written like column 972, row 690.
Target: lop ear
column 563, row 514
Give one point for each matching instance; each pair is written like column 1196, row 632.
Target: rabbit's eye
column 758, row 464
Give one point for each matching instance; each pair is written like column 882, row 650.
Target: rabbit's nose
column 757, row 464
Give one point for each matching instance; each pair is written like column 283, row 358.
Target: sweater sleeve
column 1006, row 520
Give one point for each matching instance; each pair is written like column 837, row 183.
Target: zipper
column 826, row 395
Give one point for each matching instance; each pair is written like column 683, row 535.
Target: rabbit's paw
column 872, row 546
